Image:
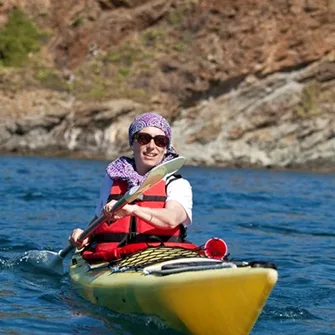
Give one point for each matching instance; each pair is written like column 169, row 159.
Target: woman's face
column 150, row 154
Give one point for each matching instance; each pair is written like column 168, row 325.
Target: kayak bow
column 190, row 293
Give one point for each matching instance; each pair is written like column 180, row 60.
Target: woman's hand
column 119, row 214
column 74, row 239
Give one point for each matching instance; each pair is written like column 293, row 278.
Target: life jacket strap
column 138, row 238
column 172, row 178
column 142, row 198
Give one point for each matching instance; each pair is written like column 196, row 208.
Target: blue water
column 283, row 217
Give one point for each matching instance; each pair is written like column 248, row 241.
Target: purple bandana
column 123, row 168
column 149, row 120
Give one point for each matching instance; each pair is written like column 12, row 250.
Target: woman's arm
column 165, row 218
column 104, row 193
column 177, row 210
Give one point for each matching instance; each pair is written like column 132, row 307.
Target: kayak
column 189, row 292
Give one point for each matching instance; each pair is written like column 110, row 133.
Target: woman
column 166, row 209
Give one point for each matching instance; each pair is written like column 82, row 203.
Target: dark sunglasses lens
column 161, row 141
column 143, row 138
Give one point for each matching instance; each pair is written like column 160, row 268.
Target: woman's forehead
column 152, row 131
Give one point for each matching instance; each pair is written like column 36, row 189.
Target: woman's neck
column 141, row 169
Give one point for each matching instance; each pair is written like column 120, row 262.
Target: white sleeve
column 105, row 188
column 180, row 190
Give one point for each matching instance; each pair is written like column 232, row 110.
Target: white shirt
column 178, row 190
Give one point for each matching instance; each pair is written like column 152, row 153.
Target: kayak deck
column 193, row 295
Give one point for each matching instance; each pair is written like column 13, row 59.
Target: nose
column 151, row 144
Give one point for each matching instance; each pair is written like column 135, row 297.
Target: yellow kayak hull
column 212, row 301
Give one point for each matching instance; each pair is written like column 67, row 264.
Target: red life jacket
column 109, row 239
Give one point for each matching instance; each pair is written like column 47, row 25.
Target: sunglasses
column 161, row 141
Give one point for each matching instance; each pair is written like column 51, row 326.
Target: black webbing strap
column 172, row 178
column 142, row 198
column 119, row 237
column 114, row 197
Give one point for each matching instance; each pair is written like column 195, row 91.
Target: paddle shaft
column 94, row 224
column 53, row 261
column 154, row 176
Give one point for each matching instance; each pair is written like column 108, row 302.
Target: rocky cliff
column 243, row 82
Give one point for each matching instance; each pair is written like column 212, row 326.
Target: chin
column 150, row 163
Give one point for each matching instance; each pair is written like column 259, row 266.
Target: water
column 284, row 217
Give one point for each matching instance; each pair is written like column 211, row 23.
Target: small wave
column 284, row 230
column 23, row 171
column 44, row 260
column 4, row 239
column 18, row 262
column 7, row 245
column 32, row 196
column 134, row 323
column 289, row 312
column 51, row 298
column 5, row 263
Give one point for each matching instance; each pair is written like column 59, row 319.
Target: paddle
column 53, row 261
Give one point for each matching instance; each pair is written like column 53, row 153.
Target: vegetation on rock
column 18, row 38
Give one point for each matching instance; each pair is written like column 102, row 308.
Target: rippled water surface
column 283, row 217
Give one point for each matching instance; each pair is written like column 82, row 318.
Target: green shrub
column 49, row 78
column 152, row 37
column 98, row 89
column 18, row 38
column 125, row 55
column 309, row 105
column 124, row 71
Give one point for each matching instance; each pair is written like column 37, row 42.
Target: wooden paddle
column 53, row 261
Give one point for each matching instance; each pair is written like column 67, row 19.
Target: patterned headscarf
column 148, row 120
column 123, row 168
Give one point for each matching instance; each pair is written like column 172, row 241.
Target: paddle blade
column 46, row 260
column 53, row 262
column 154, row 176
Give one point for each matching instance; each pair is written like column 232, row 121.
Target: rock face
column 243, row 83
column 263, row 123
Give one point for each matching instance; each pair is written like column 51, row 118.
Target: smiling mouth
column 150, row 155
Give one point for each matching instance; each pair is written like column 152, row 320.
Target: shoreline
column 311, row 168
